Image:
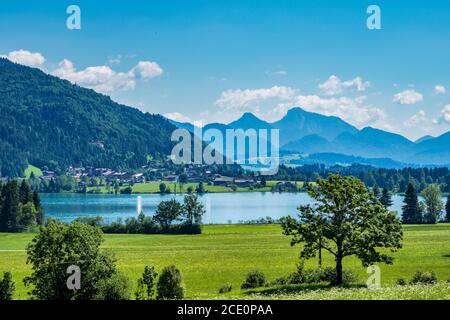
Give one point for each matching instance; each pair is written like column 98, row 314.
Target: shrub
column 185, row 228
column 127, row 190
column 226, row 288
column 59, row 245
column 401, row 282
column 146, row 284
column 96, row 221
column 7, row 287
column 302, row 276
column 255, row 279
column 424, row 278
column 170, row 284
column 117, row 287
column 348, row 277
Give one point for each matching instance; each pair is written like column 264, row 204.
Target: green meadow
column 224, row 254
column 153, row 187
column 32, row 169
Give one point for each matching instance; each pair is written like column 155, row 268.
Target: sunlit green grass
column 153, row 187
column 225, row 253
column 32, row 169
column 439, row 291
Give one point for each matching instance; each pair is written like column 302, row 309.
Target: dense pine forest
column 20, row 207
column 46, row 121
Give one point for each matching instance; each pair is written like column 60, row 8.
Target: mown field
column 224, row 254
column 153, row 187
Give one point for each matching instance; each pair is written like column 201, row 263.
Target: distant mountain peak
column 295, row 110
column 249, row 121
column 249, row 116
column 424, row 138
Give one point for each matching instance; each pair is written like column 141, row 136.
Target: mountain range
column 51, row 123
column 309, row 134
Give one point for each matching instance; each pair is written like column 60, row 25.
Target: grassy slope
column 224, row 254
column 37, row 172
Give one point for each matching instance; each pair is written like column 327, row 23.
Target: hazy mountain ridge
column 311, row 133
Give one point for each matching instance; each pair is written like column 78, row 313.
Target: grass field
column 224, row 254
column 153, row 187
column 32, row 169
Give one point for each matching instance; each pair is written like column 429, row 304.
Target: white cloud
column 419, row 119
column 445, row 115
column 280, row 73
column 106, row 80
column 115, row 59
column 440, row 89
column 335, row 86
column 352, row 110
column 237, row 99
column 147, row 70
column 27, row 58
column 100, row 78
column 176, row 116
column 408, row 97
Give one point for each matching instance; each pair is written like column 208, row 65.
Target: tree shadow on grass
column 297, row 288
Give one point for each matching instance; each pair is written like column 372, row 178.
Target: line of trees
column 396, row 180
column 428, row 211
column 346, row 219
column 20, row 207
column 171, row 217
column 60, row 247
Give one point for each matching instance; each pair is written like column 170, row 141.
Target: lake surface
column 220, row 207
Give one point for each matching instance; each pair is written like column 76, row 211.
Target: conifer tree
column 412, row 212
column 386, row 198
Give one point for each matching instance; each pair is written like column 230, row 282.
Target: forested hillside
column 46, row 121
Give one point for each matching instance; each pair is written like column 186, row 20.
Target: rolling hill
column 49, row 122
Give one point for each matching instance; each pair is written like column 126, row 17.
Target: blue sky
column 213, row 60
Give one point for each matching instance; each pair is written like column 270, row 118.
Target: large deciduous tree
column 59, row 246
column 433, row 203
column 167, row 212
column 193, row 209
column 345, row 221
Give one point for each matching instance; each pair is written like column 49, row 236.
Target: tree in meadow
column 412, row 211
column 193, row 209
column 146, row 284
column 345, row 221
column 7, row 287
column 167, row 212
column 433, row 203
column 59, row 246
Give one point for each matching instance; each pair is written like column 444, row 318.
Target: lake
column 220, row 207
